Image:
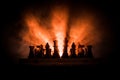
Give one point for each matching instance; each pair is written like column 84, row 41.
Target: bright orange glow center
column 59, row 20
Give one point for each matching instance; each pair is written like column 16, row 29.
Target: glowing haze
column 81, row 29
column 59, row 24
column 36, row 33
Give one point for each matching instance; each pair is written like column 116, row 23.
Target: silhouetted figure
column 55, row 54
column 31, row 53
column 80, row 50
column 39, row 51
column 89, row 51
column 72, row 50
column 65, row 53
column 48, row 51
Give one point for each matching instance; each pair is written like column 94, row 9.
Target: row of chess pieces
column 40, row 52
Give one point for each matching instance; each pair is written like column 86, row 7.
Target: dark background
column 11, row 13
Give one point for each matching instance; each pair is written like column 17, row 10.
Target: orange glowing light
column 36, row 33
column 59, row 24
column 81, row 29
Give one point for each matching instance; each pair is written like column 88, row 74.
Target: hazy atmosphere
column 35, row 23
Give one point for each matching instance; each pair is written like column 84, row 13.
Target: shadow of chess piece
column 48, row 51
column 73, row 51
column 65, row 53
column 55, row 54
column 31, row 52
column 89, row 51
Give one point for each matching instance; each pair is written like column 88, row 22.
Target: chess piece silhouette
column 31, row 53
column 48, row 51
column 89, row 51
column 39, row 51
column 55, row 54
column 65, row 53
column 81, row 51
column 72, row 50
